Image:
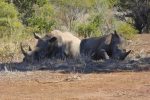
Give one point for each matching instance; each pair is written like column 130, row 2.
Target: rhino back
column 90, row 45
column 70, row 43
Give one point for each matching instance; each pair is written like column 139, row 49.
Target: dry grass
column 10, row 47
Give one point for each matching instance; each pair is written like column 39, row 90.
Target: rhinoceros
column 63, row 44
column 54, row 44
column 105, row 47
column 117, row 47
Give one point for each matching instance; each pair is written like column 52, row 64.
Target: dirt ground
column 49, row 85
column 55, row 86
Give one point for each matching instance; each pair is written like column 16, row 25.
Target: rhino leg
column 104, row 54
column 100, row 54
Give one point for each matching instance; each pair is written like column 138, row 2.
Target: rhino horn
column 125, row 54
column 22, row 50
column 37, row 36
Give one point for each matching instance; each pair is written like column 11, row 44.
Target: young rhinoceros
column 105, row 47
column 55, row 44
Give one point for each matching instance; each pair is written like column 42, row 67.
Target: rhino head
column 117, row 45
column 42, row 48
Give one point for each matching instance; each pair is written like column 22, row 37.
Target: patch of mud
column 80, row 65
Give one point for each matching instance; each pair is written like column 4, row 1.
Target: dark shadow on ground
column 80, row 66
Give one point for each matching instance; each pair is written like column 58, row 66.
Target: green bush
column 87, row 30
column 127, row 30
column 91, row 27
column 42, row 19
column 9, row 22
column 7, row 10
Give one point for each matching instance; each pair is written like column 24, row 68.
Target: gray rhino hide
column 63, row 44
column 105, row 47
column 55, row 44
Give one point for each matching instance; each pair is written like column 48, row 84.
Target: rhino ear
column 115, row 32
column 53, row 39
column 37, row 36
column 30, row 48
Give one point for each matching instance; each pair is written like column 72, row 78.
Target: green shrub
column 7, row 10
column 87, row 30
column 9, row 22
column 127, row 30
column 42, row 19
column 91, row 27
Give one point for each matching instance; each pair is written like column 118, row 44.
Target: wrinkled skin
column 105, row 47
column 55, row 44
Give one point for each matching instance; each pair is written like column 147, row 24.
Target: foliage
column 70, row 11
column 9, row 22
column 25, row 7
column 104, row 8
column 20, row 18
column 138, row 11
column 42, row 19
column 127, row 30
column 91, row 28
column 76, row 15
column 85, row 17
column 87, row 30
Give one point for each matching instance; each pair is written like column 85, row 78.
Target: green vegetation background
column 84, row 18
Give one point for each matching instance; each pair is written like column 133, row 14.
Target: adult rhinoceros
column 54, row 44
column 63, row 44
column 105, row 47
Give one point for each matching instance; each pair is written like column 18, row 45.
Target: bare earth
column 48, row 85
column 55, row 86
